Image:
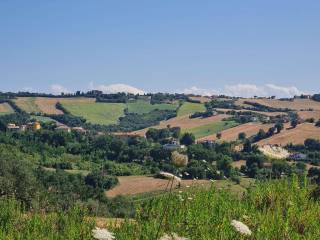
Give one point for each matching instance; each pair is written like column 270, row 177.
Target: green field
column 211, row 128
column 27, row 104
column 188, row 108
column 97, row 113
column 141, row 106
column 42, row 118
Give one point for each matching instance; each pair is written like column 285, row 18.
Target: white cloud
column 58, row 89
column 200, row 91
column 250, row 90
column 115, row 88
column 247, row 90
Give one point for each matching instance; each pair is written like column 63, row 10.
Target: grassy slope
column 27, row 104
column 211, row 128
column 271, row 210
column 142, row 106
column 99, row 113
column 5, row 108
column 188, row 108
column 42, row 119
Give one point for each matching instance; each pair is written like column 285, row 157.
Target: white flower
column 102, row 234
column 241, row 227
column 186, row 173
column 172, row 236
column 204, row 161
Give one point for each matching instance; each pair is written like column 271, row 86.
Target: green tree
column 187, row 139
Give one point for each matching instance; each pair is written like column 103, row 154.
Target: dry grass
column 202, row 99
column 296, row 135
column 5, row 108
column 309, row 114
column 184, row 122
column 48, row 105
column 296, row 104
column 27, row 104
column 132, row 185
column 231, row 134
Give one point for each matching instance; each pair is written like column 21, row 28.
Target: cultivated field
column 27, row 104
column 184, row 122
column 296, row 135
column 97, row 113
column 5, row 109
column 48, row 105
column 202, row 99
column 296, row 104
column 131, row 185
column 142, row 106
column 270, row 114
column 309, row 114
column 232, row 134
column 188, row 108
column 211, row 128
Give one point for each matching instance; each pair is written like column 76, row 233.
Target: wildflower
column 178, row 159
column 204, row 161
column 186, row 173
column 172, row 236
column 190, row 198
column 187, row 186
column 241, row 227
column 102, row 234
column 180, row 175
column 218, row 172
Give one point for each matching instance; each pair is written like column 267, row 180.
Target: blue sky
column 235, row 47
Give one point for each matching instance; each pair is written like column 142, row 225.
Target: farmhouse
column 33, row 126
column 63, row 128
column 12, row 127
column 79, row 129
column 174, row 145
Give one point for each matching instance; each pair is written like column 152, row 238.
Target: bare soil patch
column 131, row 185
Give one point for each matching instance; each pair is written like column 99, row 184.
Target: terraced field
column 188, row 108
column 211, row 128
column 5, row 109
column 142, row 106
column 97, row 113
column 232, row 134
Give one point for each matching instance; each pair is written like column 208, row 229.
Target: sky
column 233, row 47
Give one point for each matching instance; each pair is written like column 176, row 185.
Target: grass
column 27, row 104
column 97, row 113
column 278, row 209
column 42, row 118
column 142, row 106
column 188, row 108
column 211, row 128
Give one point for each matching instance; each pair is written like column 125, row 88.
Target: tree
column 219, row 135
column 279, row 127
column 187, row 139
column 242, row 136
column 294, row 122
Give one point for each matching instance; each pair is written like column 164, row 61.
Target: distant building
column 63, row 128
column 33, row 126
column 174, row 145
column 12, row 127
column 79, row 129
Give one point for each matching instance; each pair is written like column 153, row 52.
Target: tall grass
column 15, row 224
column 274, row 210
column 280, row 209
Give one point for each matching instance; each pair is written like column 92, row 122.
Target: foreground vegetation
column 277, row 209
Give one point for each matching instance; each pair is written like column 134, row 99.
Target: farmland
column 27, row 104
column 184, row 122
column 142, row 106
column 97, row 113
column 293, row 135
column 232, row 134
column 188, row 108
column 5, row 109
column 296, row 104
column 211, row 128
